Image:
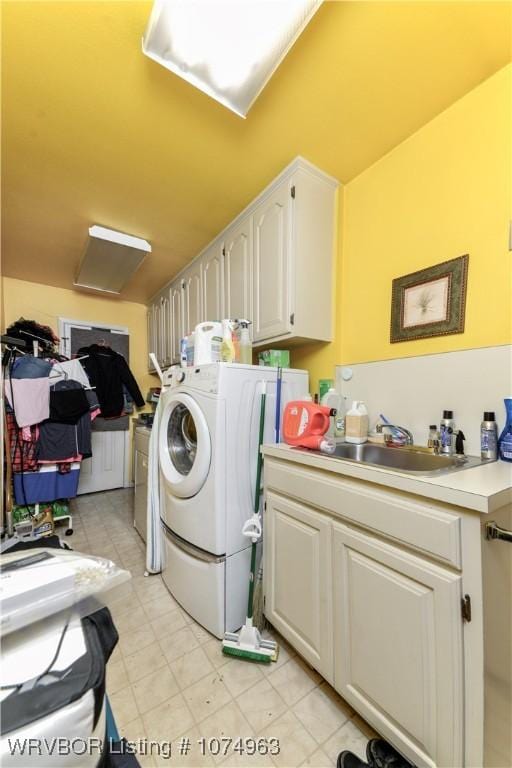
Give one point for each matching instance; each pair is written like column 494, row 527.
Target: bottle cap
column 489, row 416
column 433, row 426
column 447, row 414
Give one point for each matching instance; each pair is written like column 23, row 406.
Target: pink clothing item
column 31, row 399
column 95, row 413
column 26, row 434
column 71, row 460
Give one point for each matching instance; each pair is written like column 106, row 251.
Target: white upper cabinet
column 271, row 297
column 176, row 297
column 272, row 265
column 192, row 298
column 237, row 253
column 165, row 330
column 212, row 282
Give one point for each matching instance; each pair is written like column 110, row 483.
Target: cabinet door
column 271, row 290
column 165, row 323
column 176, row 296
column 151, row 337
column 212, row 283
column 298, row 574
column 141, row 493
column 398, row 646
column 237, row 271
column 157, row 330
column 192, row 300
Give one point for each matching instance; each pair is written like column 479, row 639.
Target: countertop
column 483, row 488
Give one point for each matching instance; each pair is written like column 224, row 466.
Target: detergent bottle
column 305, row 424
column 505, row 440
column 356, row 423
column 245, row 343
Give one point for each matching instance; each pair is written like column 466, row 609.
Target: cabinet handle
column 493, row 531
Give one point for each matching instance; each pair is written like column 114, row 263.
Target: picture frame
column 430, row 302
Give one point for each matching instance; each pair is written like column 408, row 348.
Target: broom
column 248, row 643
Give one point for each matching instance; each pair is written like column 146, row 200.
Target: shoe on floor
column 347, row 759
column 380, row 754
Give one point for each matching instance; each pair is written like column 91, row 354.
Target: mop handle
column 256, row 500
column 278, row 403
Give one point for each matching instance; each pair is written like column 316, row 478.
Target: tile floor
column 167, row 678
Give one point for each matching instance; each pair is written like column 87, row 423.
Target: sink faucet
column 409, row 440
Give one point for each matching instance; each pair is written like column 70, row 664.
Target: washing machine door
column 185, row 446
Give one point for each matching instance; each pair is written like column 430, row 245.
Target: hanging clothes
column 68, row 402
column 23, row 445
column 69, row 369
column 29, row 399
column 64, row 439
column 108, row 371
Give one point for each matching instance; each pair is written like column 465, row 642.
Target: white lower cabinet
column 398, row 648
column 299, row 575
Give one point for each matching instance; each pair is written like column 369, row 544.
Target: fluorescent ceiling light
column 227, row 48
column 110, row 259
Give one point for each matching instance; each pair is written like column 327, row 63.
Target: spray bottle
column 227, row 350
column 245, row 343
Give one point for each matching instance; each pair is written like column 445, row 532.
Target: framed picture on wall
column 430, row 302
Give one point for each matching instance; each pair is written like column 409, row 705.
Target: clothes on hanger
column 68, row 402
column 69, row 369
column 23, row 446
column 30, row 367
column 29, row 399
column 29, row 330
column 107, row 372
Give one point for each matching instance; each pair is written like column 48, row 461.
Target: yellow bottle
column 227, row 350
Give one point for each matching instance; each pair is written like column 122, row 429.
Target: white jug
column 207, row 343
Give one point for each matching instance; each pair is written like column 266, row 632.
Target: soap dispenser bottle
column 245, row 343
column 227, row 349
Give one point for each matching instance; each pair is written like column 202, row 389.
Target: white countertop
column 484, row 488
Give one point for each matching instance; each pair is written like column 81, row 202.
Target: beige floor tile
column 350, row 737
column 283, row 656
column 293, row 681
column 149, row 587
column 295, row 743
column 154, row 689
column 193, row 759
column 169, row 623
column 206, row 696
column 200, row 634
column 117, row 677
column 129, row 621
column 133, row 641
column 261, row 705
column 248, row 760
column 123, row 706
column 191, row 667
column 241, row 675
column 318, row 759
column 144, row 661
column 170, row 719
column 178, row 643
column 135, row 733
column 155, row 609
column 227, row 723
column 213, row 649
column 321, row 714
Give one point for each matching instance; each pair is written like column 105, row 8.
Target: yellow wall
column 46, row 304
column 443, row 192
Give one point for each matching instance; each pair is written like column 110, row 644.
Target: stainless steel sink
column 411, row 460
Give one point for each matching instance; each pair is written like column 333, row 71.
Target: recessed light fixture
column 227, row 48
column 110, row 259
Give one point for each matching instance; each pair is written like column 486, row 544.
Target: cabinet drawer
column 426, row 526
column 142, row 441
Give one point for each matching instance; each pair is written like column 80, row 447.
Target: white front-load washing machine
column 208, row 444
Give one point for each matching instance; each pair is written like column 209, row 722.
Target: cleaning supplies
column 305, row 425
column 356, row 423
column 275, row 358
column 339, row 421
column 227, row 350
column 207, row 343
column 433, row 438
column 447, row 429
column 324, row 385
column 505, row 441
column 489, row 437
column 332, row 399
column 248, row 643
column 245, row 345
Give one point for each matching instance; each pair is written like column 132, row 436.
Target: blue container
column 505, row 440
